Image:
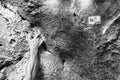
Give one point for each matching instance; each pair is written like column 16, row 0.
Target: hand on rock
column 35, row 40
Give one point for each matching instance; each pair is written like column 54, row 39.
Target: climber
column 33, row 63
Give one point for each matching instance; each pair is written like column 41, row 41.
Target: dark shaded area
column 1, row 44
column 44, row 46
column 65, row 55
column 12, row 41
column 12, row 62
column 99, row 1
column 6, row 64
column 26, row 0
column 40, row 72
column 117, row 21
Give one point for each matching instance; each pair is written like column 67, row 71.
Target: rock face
column 13, row 44
column 73, row 48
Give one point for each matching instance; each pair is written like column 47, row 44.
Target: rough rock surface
column 13, row 44
column 73, row 49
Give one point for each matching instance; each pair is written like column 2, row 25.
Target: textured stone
column 72, row 50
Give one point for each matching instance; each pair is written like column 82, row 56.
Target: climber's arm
column 33, row 64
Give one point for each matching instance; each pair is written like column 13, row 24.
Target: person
column 33, row 63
